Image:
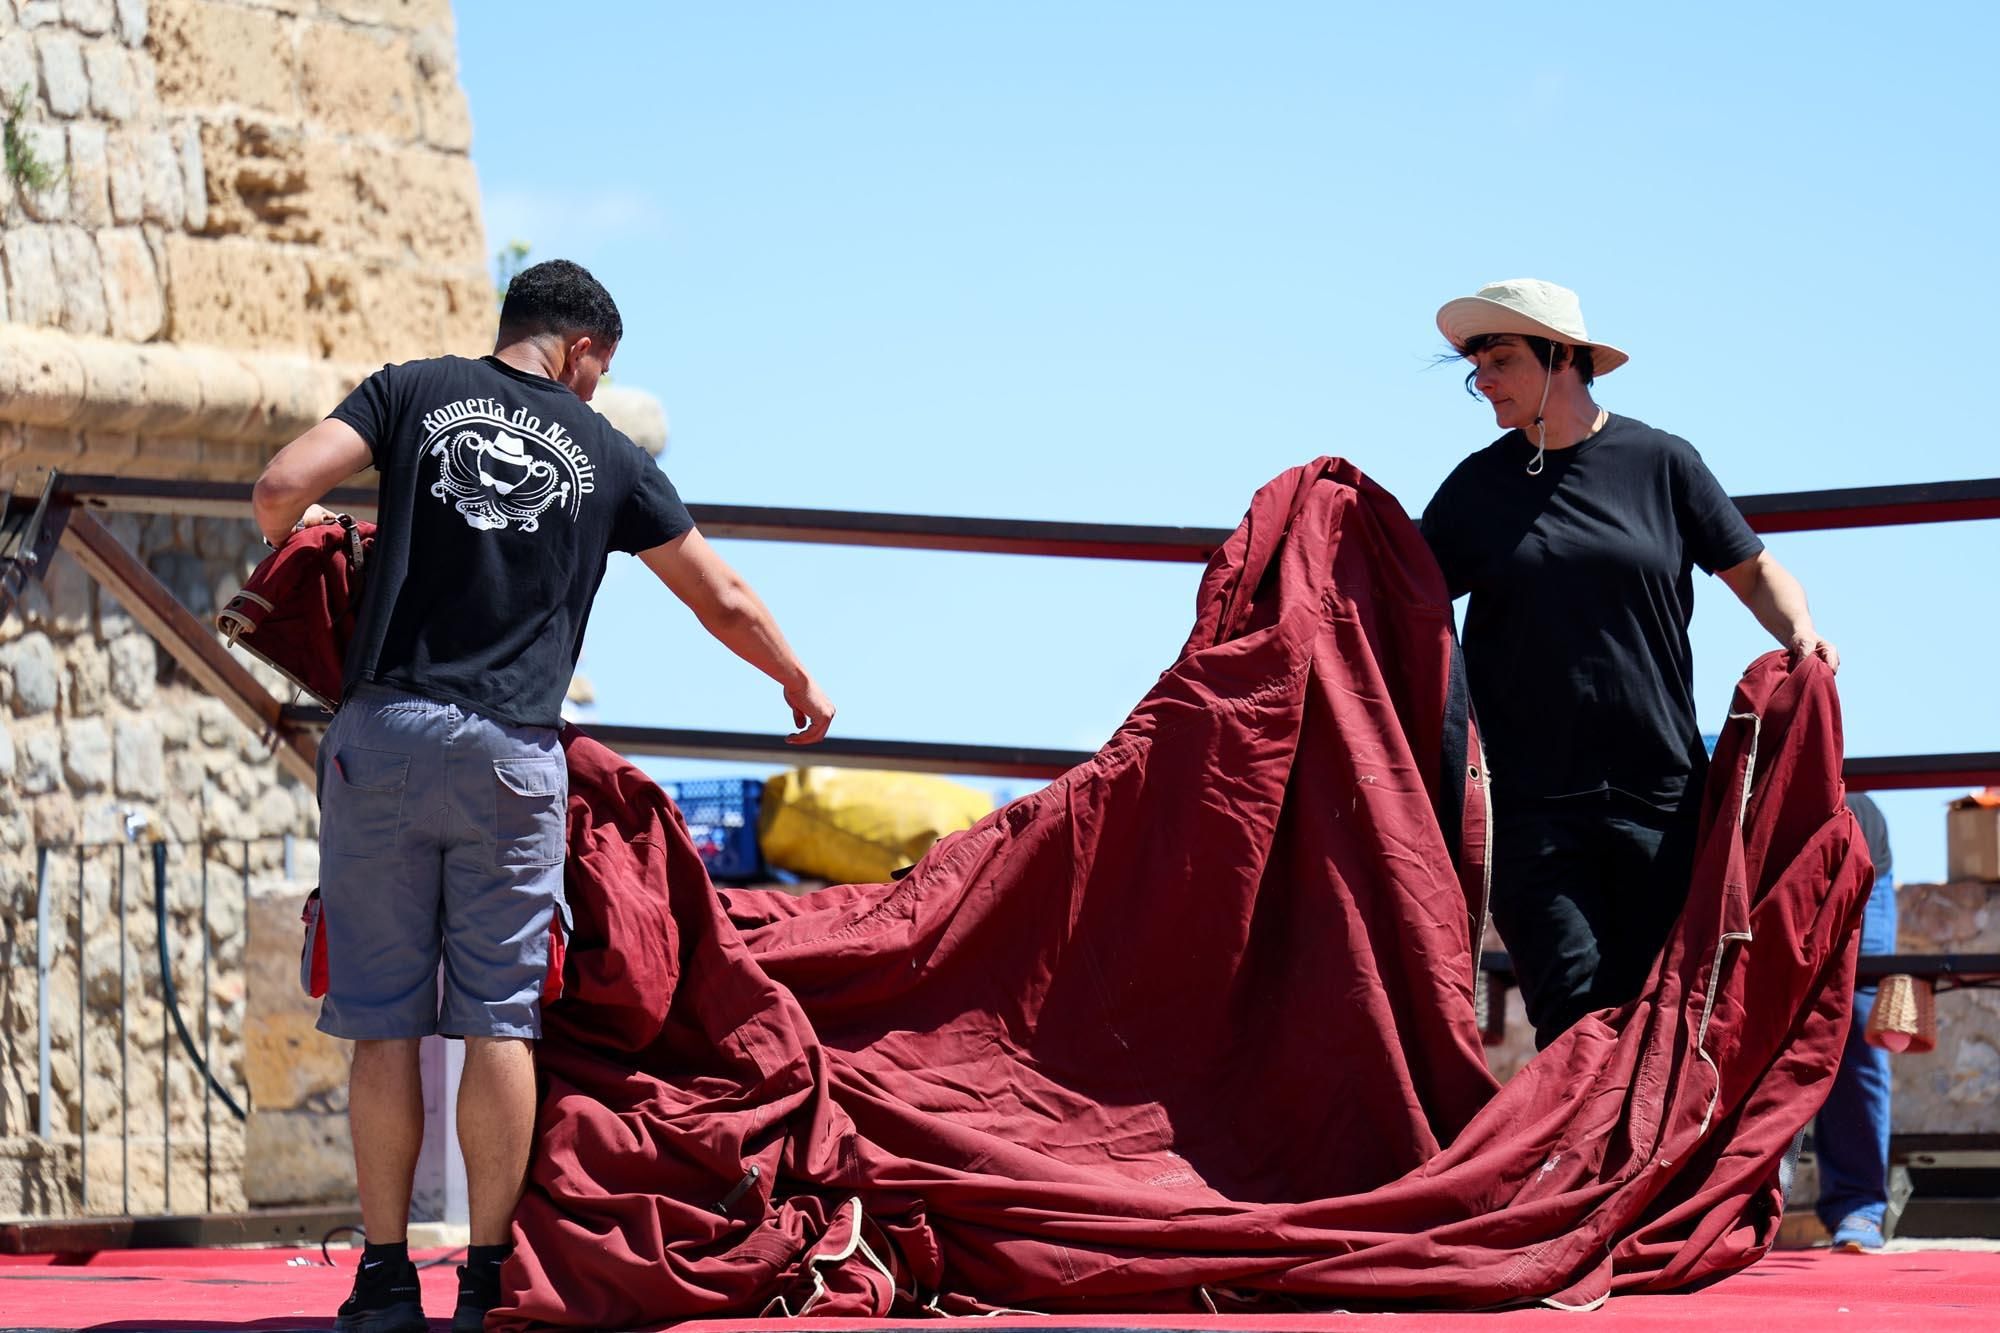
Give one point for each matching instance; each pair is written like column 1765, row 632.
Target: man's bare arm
column 730, row 609
column 303, row 471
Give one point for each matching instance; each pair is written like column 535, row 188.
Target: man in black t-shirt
column 442, row 783
column 1576, row 534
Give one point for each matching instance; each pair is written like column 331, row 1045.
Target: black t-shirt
column 502, row 494
column 1874, row 831
column 1576, row 642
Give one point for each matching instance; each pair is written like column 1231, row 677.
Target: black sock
column 485, row 1256
column 396, row 1254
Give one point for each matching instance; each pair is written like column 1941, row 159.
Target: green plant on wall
column 28, row 172
column 506, row 264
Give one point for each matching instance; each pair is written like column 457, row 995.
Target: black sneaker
column 478, row 1292
column 386, row 1299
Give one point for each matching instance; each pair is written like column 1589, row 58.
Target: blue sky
column 1126, row 262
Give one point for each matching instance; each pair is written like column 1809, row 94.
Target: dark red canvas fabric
column 297, row 608
column 1192, row 1027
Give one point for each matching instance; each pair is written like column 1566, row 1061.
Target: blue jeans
column 1852, row 1134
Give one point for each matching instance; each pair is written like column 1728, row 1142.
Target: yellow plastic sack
column 854, row 826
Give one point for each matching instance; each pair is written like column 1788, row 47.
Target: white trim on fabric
column 847, row 1251
column 1728, row 937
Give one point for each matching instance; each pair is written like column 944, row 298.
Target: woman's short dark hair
column 1541, row 347
column 559, row 297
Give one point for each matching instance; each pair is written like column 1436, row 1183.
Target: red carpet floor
column 179, row 1291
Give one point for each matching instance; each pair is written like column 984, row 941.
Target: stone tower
column 218, row 216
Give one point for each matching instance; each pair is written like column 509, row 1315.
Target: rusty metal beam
column 1905, row 772
column 1873, row 506
column 192, row 643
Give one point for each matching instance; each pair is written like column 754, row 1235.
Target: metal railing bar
column 1789, row 511
column 166, row 1047
column 124, row 1057
column 1863, row 773
column 170, row 999
column 82, row 1048
column 44, row 960
column 207, row 1049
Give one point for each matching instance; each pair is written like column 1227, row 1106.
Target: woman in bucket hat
column 1575, row 534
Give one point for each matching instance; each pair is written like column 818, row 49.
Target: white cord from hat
column 1542, row 426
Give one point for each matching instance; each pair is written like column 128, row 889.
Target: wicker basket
column 1904, row 1020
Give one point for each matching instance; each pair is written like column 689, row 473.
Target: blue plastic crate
column 721, row 815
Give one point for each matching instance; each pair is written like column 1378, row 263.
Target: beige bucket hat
column 1526, row 306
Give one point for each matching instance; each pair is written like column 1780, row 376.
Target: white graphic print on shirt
column 499, row 468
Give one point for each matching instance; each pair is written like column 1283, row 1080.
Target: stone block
column 6, row 754
column 134, row 300
column 258, row 183
column 394, row 13
column 17, row 64
column 89, row 176
column 112, row 453
column 89, row 679
column 135, row 670
column 68, row 589
column 29, row 663
column 131, row 21
column 356, row 81
column 442, row 113
column 39, row 771
column 80, row 275
column 95, row 17
column 212, row 55
column 162, row 183
column 127, row 176
column 36, row 1177
column 297, row 1157
column 40, row 13
column 234, row 293
column 65, row 86
column 139, row 758
column 87, row 754
column 194, row 178
column 114, row 81
column 373, row 312
column 42, row 378
column 47, row 143
column 173, row 395
column 438, row 213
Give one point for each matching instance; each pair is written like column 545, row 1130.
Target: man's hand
column 1805, row 643
column 316, row 514
column 812, row 713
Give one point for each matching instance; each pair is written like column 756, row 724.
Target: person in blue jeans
column 1852, row 1133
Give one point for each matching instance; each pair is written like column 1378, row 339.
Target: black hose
column 167, row 980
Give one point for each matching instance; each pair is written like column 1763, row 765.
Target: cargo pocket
column 312, row 954
column 362, row 811
column 528, row 812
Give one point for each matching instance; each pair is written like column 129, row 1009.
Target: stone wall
column 277, row 176
column 254, row 203
column 105, row 750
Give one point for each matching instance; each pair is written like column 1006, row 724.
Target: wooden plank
column 193, row 644
column 261, row 1226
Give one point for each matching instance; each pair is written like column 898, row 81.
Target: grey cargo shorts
column 441, row 840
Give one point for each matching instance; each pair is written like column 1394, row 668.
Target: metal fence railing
column 158, row 884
